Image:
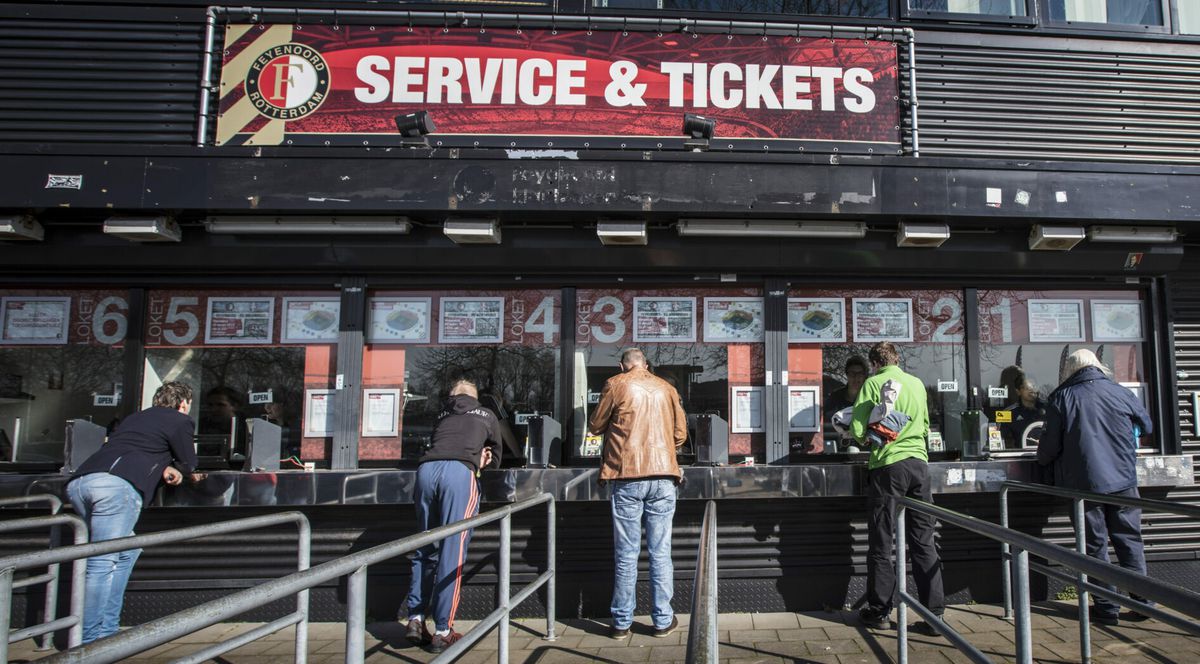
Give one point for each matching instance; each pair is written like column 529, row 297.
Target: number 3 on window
column 614, row 319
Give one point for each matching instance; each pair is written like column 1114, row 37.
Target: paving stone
column 736, row 621
column 619, row 654
column 803, row 634
column 838, row 647
column 751, row 635
column 824, row 618
column 780, row 648
column 775, row 621
column 660, row 654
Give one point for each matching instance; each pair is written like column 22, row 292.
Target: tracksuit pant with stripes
column 446, row 492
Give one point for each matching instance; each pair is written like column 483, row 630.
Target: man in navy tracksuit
column 1090, row 439
column 465, row 439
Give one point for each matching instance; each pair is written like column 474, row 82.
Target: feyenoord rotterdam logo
column 287, row 82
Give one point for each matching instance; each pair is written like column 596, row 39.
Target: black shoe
column 875, row 620
column 1103, row 619
column 924, row 629
column 1134, row 616
column 440, row 642
column 618, row 634
column 416, row 632
column 660, row 633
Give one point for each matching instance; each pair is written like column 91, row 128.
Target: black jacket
column 1089, row 433
column 142, row 446
column 463, row 429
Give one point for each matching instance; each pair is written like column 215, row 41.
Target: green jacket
column 911, row 442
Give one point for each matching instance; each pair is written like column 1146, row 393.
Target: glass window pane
column 1118, row 12
column 61, row 357
column 707, row 342
column 1026, row 336
column 831, row 331
column 419, row 343
column 852, row 8
column 985, row 7
column 246, row 354
column 1189, row 17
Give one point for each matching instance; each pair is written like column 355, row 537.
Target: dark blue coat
column 1089, row 433
column 142, row 446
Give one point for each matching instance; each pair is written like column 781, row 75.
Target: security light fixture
column 1055, row 238
column 919, row 234
column 21, row 227
column 472, row 231
column 699, row 131
column 738, row 228
column 143, row 229
column 626, row 233
column 295, row 225
column 1132, row 233
column 413, row 127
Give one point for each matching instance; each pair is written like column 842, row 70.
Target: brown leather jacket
column 643, row 423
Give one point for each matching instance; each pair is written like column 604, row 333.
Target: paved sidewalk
column 798, row 638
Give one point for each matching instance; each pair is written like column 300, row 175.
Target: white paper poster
column 34, row 320
column 398, row 320
column 310, row 319
column 733, row 319
column 746, row 410
column 804, row 408
column 816, row 320
column 471, row 320
column 1056, row 320
column 664, row 319
column 319, row 414
column 1116, row 320
column 381, row 412
column 883, row 319
column 240, row 320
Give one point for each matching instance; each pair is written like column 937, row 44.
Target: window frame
column 1168, row 26
column 1029, row 20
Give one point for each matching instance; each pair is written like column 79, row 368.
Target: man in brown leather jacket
column 643, row 424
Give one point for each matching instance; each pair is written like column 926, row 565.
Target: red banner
column 280, row 83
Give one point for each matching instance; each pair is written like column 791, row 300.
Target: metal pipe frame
column 703, row 644
column 81, row 551
column 51, row 576
column 206, row 85
column 49, row 624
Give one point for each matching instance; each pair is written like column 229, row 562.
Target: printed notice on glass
column 319, row 414
column 34, row 320
column 746, row 410
column 816, row 320
column 1056, row 320
column 471, row 320
column 240, row 320
column 1116, row 320
column 664, row 319
column 733, row 319
column 883, row 319
column 309, row 320
column 381, row 412
column 804, row 408
column 398, row 320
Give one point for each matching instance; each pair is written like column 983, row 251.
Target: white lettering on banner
column 541, row 82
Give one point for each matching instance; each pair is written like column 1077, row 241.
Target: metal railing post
column 901, row 583
column 505, row 569
column 303, row 562
column 51, row 607
column 551, row 556
column 356, row 615
column 1005, row 556
column 703, row 647
column 1085, row 618
column 1024, row 633
column 78, row 582
column 6, row 583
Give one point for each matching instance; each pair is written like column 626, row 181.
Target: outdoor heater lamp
column 21, row 227
column 413, row 127
column 1132, row 233
column 699, row 131
column 738, row 228
column 143, row 229
column 622, row 233
column 252, row 225
column 472, row 231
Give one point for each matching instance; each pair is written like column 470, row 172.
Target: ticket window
column 830, row 334
column 1025, row 338
column 707, row 343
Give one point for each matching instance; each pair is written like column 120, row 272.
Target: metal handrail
column 1081, row 580
column 50, row 625
column 703, row 644
column 80, row 552
column 50, row 578
column 1177, row 598
column 354, row 566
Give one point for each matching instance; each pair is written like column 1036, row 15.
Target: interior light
column 144, row 229
column 252, row 225
column 626, row 233
column 1055, row 238
column 737, row 228
column 472, row 231
column 922, row 234
column 20, row 227
column 1132, row 233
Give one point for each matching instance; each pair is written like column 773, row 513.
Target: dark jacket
column 643, row 424
column 1089, row 433
column 463, row 429
column 142, row 445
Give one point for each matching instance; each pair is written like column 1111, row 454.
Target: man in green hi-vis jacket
column 899, row 466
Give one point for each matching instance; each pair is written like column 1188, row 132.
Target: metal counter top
column 390, row 487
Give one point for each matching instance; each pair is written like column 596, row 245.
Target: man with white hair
column 1092, row 425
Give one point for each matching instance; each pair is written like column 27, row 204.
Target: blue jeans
column 634, row 503
column 110, row 506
